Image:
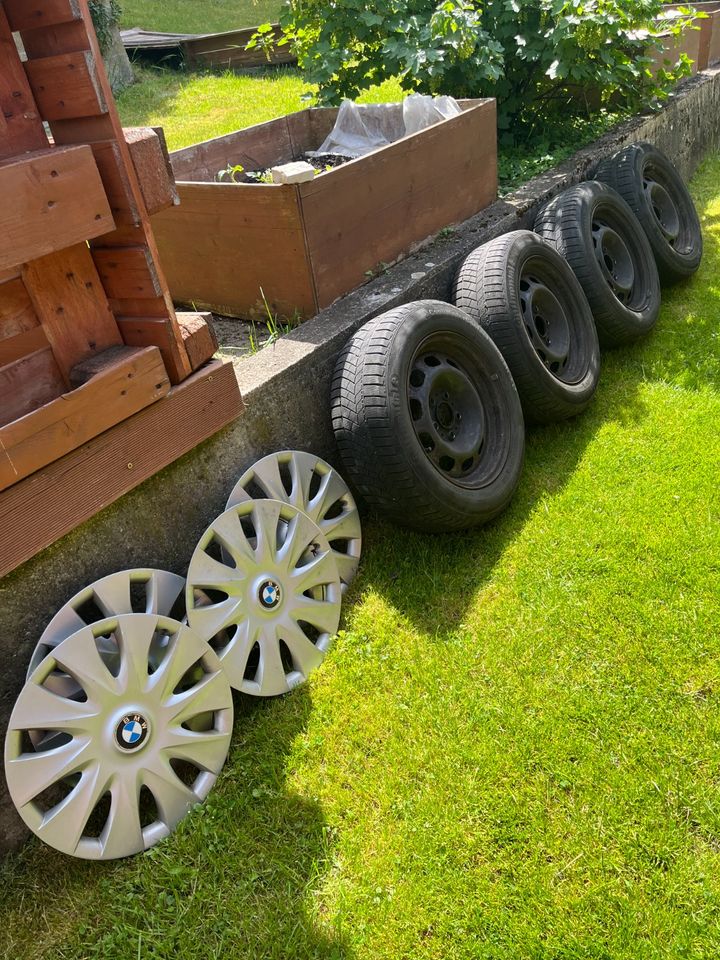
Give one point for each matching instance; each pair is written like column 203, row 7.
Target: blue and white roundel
column 132, row 732
column 270, row 594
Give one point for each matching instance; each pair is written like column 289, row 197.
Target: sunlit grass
column 197, row 16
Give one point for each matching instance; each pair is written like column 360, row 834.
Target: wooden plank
column 23, row 126
column 29, row 14
column 66, row 86
column 127, row 273
column 226, row 242
column 57, row 40
column 17, row 314
column 124, row 382
column 229, row 50
column 256, row 148
column 158, row 331
column 39, row 510
column 71, row 304
column 199, row 336
column 28, row 384
column 51, row 200
column 123, row 205
column 22, row 344
column 374, row 209
column 150, row 158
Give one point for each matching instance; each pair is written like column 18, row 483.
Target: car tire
column 600, row 237
column 653, row 189
column 427, row 419
column 528, row 300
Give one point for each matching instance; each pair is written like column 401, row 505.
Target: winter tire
column 427, row 418
column 649, row 183
column 602, row 240
column 528, row 300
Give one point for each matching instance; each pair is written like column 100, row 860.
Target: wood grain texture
column 128, row 382
column 372, row 210
column 199, row 336
column 67, row 86
column 70, row 37
column 152, row 166
column 70, row 302
column 39, row 510
column 17, row 313
column 29, row 383
column 225, row 243
column 117, row 186
column 22, row 344
column 127, row 273
column 229, row 50
column 52, row 199
column 23, row 126
column 30, row 14
column 155, row 331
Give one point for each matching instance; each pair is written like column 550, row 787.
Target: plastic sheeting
column 362, row 128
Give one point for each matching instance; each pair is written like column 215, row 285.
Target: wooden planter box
column 708, row 36
column 305, row 245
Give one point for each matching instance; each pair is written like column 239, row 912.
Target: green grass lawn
column 512, row 751
column 197, row 16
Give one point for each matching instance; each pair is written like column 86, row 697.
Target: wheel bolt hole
column 540, row 325
column 417, row 378
column 609, row 262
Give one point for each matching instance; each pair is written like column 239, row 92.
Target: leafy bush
column 538, row 57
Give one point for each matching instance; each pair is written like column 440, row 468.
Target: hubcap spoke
column 63, row 826
column 318, row 491
column 122, row 832
column 174, row 800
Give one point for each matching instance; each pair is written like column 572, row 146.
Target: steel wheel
column 546, row 323
column 313, row 486
column 117, row 767
column 128, row 591
column 614, row 259
column 275, row 595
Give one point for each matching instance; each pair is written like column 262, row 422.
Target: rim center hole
column 445, row 414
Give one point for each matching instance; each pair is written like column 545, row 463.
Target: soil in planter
column 322, row 163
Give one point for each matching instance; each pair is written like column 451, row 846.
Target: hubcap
column 615, row 260
column 263, row 588
column 664, row 209
column 119, row 765
column 545, row 323
column 447, row 413
column 314, row 487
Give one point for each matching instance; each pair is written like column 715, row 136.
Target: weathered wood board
column 303, row 246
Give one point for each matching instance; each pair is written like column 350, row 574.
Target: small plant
column 231, row 172
column 263, row 39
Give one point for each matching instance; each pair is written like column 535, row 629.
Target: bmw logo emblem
column 132, row 731
column 270, row 594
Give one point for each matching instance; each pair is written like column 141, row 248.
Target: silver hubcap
column 263, row 588
column 313, row 486
column 117, row 766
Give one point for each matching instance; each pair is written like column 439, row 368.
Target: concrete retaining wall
column 286, row 389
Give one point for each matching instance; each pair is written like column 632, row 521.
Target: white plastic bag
column 362, row 128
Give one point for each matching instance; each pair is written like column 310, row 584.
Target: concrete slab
column 286, row 389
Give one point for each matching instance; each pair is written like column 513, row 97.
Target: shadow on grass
column 234, row 880
column 432, row 580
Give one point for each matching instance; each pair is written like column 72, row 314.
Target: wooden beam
column 29, row 14
column 29, row 383
column 122, row 383
column 199, row 337
column 67, row 86
column 152, row 165
column 22, row 344
column 16, row 310
column 23, row 126
column 71, row 304
column 37, row 511
column 127, row 273
column 51, row 199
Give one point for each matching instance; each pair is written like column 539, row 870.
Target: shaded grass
column 197, row 16
column 512, row 750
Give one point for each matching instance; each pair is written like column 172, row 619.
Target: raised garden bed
column 304, row 245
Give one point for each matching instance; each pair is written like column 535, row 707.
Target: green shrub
column 538, row 57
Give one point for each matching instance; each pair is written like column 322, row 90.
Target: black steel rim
column 546, row 322
column 449, row 410
column 614, row 258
